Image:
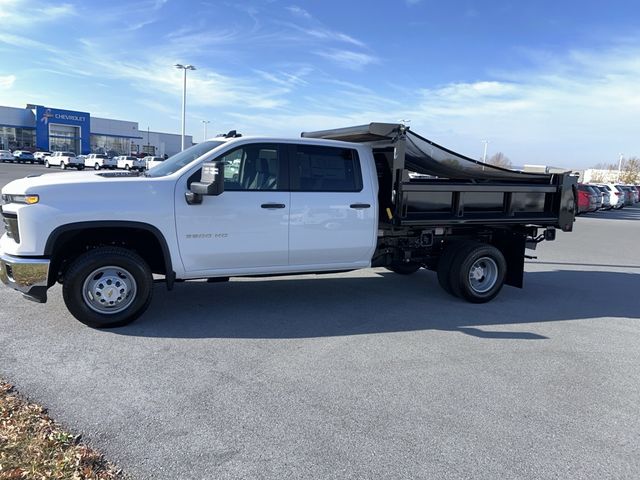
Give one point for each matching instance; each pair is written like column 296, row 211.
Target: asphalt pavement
column 367, row 374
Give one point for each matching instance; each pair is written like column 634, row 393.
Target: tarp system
column 426, row 157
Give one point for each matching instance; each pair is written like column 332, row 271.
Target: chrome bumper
column 26, row 275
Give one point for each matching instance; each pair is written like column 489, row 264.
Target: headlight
column 28, row 199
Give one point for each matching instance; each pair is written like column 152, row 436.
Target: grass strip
column 33, row 446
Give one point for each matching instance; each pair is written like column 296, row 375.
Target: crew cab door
column 247, row 225
column 333, row 220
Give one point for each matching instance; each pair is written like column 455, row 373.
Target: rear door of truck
column 333, row 216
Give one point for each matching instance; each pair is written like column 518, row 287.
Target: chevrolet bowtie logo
column 46, row 116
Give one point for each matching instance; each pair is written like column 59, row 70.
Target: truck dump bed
column 453, row 188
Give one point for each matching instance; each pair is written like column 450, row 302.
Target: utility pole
column 484, row 155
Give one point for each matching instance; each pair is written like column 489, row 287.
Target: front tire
column 46, row 164
column 108, row 287
column 96, row 166
column 63, row 166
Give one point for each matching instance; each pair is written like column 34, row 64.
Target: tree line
column 630, row 171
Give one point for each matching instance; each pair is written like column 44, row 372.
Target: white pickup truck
column 99, row 161
column 337, row 200
column 64, row 160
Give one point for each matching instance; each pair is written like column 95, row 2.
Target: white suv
column 6, row 156
column 64, row 160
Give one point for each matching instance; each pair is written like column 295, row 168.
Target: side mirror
column 211, row 180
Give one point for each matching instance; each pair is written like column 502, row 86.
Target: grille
column 10, row 221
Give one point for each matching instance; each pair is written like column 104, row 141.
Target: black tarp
column 426, row 157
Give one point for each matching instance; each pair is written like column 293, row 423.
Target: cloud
column 299, row 12
column 7, row 81
column 348, row 59
column 27, row 13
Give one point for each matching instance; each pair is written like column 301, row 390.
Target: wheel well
column 70, row 244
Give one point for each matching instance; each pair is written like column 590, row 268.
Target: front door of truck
column 247, row 225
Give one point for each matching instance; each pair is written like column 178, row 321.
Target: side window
column 326, row 169
column 254, row 167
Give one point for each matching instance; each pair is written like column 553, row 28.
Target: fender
column 170, row 274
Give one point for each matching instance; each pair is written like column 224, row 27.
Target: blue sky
column 544, row 82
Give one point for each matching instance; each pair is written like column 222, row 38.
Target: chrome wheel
column 483, row 274
column 109, row 289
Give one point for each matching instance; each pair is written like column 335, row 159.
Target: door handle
column 272, row 206
column 359, row 206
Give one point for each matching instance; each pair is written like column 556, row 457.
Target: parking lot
column 366, row 374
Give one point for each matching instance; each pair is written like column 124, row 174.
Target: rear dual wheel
column 472, row 270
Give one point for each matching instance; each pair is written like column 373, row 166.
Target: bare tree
column 499, row 160
column 630, row 171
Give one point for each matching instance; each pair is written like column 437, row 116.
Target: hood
column 31, row 183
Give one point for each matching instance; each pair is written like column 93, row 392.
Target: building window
column 111, row 146
column 149, row 149
column 14, row 138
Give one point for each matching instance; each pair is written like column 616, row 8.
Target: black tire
column 63, row 166
column 444, row 264
column 80, row 167
column 403, row 268
column 96, row 166
column 127, row 167
column 46, row 164
column 81, row 271
column 492, row 270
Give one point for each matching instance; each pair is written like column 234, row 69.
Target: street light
column 205, row 123
column 620, row 165
column 179, row 66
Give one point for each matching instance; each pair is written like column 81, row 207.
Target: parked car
column 628, row 196
column 99, row 161
column 6, row 156
column 23, row 156
column 40, row 156
column 634, row 191
column 153, row 161
column 128, row 162
column 617, row 196
column 606, row 196
column 587, row 199
column 64, row 160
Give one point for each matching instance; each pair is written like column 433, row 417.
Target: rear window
column 325, row 169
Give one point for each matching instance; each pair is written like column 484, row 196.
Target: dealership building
column 42, row 128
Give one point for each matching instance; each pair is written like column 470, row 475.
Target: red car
column 586, row 199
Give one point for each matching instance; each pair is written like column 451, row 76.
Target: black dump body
column 424, row 184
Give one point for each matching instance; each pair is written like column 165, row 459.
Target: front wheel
column 127, row 167
column 63, row 166
column 96, row 166
column 108, row 287
column 46, row 164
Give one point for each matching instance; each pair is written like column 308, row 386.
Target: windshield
column 179, row 160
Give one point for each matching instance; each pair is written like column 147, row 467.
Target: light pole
column 620, row 165
column 205, row 123
column 179, row 66
column 484, row 155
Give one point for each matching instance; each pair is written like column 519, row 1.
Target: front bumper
column 26, row 275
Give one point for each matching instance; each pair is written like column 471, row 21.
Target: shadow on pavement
column 288, row 307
